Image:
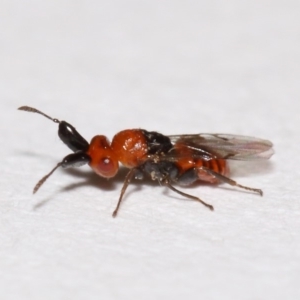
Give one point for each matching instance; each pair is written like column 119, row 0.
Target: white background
column 172, row 66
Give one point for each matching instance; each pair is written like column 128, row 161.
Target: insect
column 168, row 159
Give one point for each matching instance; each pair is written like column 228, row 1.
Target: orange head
column 104, row 161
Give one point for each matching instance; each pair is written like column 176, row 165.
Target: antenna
column 34, row 110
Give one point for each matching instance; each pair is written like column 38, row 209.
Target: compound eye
column 107, row 167
column 103, row 159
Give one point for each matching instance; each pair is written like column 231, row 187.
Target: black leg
column 188, row 177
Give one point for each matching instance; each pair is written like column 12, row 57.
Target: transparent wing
column 227, row 146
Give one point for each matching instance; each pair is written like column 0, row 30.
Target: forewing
column 225, row 146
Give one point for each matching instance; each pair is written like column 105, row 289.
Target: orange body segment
column 103, row 160
column 218, row 165
column 187, row 161
column 130, row 147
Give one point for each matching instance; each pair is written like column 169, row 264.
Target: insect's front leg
column 127, row 180
column 155, row 169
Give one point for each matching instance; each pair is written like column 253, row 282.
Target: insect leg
column 72, row 160
column 127, row 180
column 171, row 187
column 228, row 180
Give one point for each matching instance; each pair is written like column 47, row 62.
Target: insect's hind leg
column 171, row 187
column 188, row 177
column 228, row 180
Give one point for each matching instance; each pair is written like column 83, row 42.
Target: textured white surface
column 171, row 66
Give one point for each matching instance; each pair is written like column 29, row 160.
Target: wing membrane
column 227, row 146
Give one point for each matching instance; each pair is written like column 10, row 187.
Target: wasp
column 167, row 159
